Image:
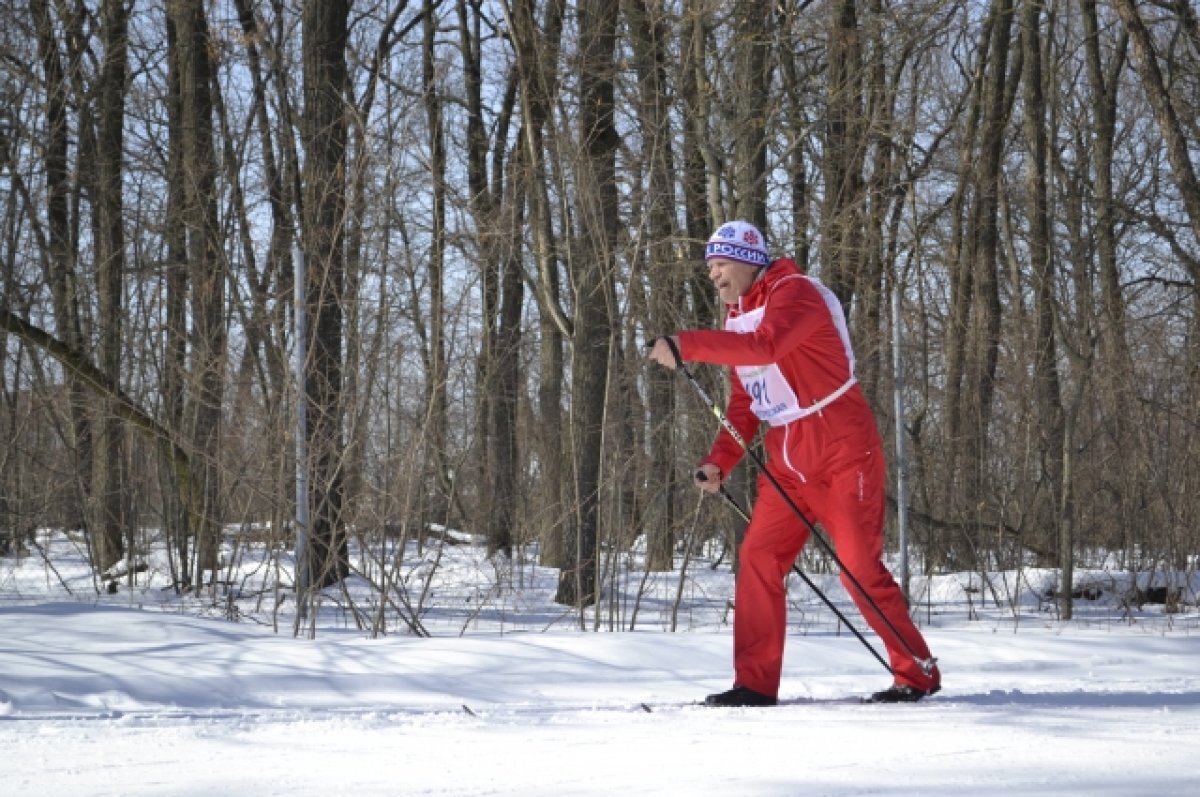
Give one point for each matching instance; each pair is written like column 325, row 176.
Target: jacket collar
column 776, row 270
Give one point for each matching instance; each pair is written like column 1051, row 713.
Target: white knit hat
column 738, row 240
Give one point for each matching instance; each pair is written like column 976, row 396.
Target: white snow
column 121, row 697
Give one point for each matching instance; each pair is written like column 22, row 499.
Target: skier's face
column 731, row 278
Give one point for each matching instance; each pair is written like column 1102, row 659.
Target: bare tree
column 324, row 127
column 1056, row 494
column 591, row 272
column 649, row 37
column 109, row 496
column 435, row 357
column 206, row 266
column 536, row 52
column 842, row 164
column 797, row 80
column 974, row 329
column 60, row 259
column 1174, row 125
column 752, row 43
column 496, row 201
column 1116, row 382
column 174, row 371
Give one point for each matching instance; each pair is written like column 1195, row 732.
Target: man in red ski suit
column 791, row 366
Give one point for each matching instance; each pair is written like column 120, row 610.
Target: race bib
column 772, row 398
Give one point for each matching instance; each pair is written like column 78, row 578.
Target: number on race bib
column 758, row 391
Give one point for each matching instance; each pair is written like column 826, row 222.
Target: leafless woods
column 490, row 207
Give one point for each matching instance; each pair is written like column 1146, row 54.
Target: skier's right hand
column 709, row 478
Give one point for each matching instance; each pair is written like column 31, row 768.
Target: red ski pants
column 849, row 504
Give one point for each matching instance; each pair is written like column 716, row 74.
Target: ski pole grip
column 670, row 341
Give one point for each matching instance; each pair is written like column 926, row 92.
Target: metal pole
column 901, row 453
column 300, row 354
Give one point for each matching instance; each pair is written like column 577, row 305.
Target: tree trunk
column 648, row 32
column 842, row 162
column 206, row 268
column 1116, row 379
column 435, row 376
column 1047, row 391
column 879, row 141
column 173, row 380
column 108, row 477
column 752, row 21
column 61, row 260
column 592, row 277
column 961, row 278
column 324, row 132
column 504, row 456
column 797, row 103
column 482, row 204
column 973, row 337
column 499, row 231
column 537, row 46
column 697, row 212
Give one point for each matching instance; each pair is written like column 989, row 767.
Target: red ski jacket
column 792, row 367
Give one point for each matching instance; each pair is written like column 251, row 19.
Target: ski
column 556, row 708
column 648, row 707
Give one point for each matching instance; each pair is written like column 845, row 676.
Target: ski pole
column 926, row 664
column 702, row 476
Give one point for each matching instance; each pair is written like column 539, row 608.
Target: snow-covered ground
column 140, row 693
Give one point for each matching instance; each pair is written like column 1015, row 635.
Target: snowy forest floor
column 146, row 692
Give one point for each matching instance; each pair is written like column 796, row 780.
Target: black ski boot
column 900, row 693
column 739, row 696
